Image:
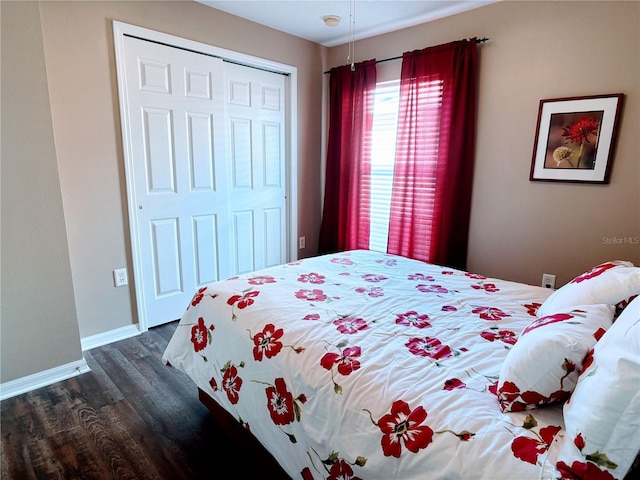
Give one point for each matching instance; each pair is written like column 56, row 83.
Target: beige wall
column 74, row 40
column 39, row 328
column 64, row 214
column 84, row 103
column 540, row 50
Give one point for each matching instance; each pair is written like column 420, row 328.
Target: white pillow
column 544, row 364
column 602, row 417
column 610, row 283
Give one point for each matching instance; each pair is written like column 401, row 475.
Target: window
column 415, row 200
column 384, row 162
column 383, row 152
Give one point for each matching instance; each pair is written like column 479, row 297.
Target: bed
column 362, row 365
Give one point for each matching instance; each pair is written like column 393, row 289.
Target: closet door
column 255, row 120
column 205, row 156
column 176, row 127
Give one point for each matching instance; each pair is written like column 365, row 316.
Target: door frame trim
column 120, row 30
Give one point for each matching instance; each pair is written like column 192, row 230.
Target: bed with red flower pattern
column 363, row 365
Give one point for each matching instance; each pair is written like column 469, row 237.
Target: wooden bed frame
column 269, row 467
column 255, row 452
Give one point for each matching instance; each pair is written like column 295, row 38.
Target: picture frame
column 575, row 138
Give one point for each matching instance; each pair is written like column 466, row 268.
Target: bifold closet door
column 206, row 173
column 255, row 116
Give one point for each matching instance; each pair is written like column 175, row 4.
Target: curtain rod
column 478, row 40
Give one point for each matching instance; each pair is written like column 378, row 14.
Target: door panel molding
column 155, row 77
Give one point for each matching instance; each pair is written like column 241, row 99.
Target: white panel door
column 255, row 117
column 175, row 111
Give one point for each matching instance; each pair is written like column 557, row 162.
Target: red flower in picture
column 199, row 335
column 347, row 361
column 593, row 272
column 280, row 403
column 261, row 280
column 231, row 383
column 350, row 325
column 428, row 347
column 584, row 130
column 312, row 316
column 315, row 278
column 403, row 425
column 314, row 295
column 243, row 301
column 412, row 318
column 580, row 130
column 267, row 342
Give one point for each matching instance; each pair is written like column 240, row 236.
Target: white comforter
column 371, row 366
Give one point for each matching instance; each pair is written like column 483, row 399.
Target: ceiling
column 304, row 18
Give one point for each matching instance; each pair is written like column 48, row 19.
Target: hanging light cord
column 352, row 29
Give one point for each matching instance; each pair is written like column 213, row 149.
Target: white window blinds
column 383, row 152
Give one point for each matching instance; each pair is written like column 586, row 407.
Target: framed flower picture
column 575, row 139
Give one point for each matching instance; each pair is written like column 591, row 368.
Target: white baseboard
column 63, row 372
column 42, row 379
column 111, row 336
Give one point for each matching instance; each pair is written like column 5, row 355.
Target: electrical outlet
column 548, row 280
column 120, row 277
column 302, row 242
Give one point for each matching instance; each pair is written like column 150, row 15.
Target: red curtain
column 431, row 199
column 346, row 213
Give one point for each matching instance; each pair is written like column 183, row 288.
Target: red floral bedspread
column 370, row 366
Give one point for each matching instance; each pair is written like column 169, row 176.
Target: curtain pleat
column 346, row 212
column 431, row 199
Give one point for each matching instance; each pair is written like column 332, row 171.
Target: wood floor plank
column 130, row 417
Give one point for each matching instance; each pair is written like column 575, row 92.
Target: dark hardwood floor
column 130, row 417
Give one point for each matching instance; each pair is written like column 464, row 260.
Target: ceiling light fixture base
column 331, row 20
